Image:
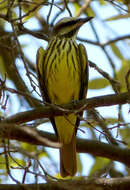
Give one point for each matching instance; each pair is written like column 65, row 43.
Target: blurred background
column 27, row 25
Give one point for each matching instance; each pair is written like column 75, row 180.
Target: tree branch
column 89, row 184
column 105, row 43
column 76, row 107
column 37, row 137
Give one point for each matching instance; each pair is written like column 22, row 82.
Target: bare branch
column 120, row 183
column 30, row 135
column 94, row 147
column 83, row 7
column 78, row 106
column 105, row 43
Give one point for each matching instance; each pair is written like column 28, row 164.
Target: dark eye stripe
column 62, row 25
column 68, row 23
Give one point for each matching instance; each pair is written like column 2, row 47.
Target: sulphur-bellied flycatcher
column 63, row 77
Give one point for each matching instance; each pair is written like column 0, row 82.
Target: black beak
column 81, row 21
column 84, row 20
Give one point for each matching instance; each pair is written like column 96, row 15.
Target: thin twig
column 67, row 8
column 83, row 7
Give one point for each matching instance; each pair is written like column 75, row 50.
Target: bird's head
column 69, row 26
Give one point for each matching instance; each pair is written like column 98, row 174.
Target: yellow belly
column 63, row 86
column 63, row 73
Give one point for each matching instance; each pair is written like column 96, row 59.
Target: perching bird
column 63, row 77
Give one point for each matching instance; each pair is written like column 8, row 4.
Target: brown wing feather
column 84, row 66
column 84, row 76
column 40, row 74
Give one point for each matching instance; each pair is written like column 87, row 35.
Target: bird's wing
column 83, row 60
column 84, row 70
column 40, row 73
column 41, row 77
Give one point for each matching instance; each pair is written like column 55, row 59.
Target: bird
column 62, row 71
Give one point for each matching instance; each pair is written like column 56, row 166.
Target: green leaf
column 44, row 154
column 31, row 8
column 116, row 51
column 121, row 16
column 99, row 164
column 28, row 147
column 17, row 162
column 2, row 68
column 111, row 120
column 125, row 134
column 3, row 7
column 98, row 83
column 79, row 164
column 121, row 74
column 2, row 162
column 76, row 7
column 89, row 11
column 102, row 2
